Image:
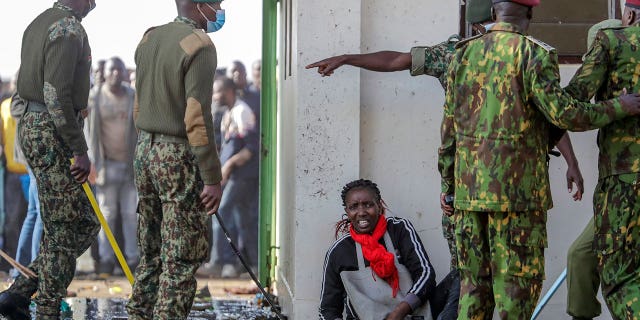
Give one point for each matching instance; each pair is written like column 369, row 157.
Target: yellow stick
column 107, row 231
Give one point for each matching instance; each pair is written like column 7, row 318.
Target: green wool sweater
column 54, row 70
column 175, row 65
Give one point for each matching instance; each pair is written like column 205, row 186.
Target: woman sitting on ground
column 379, row 269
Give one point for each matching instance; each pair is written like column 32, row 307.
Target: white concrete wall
column 319, row 144
column 384, row 127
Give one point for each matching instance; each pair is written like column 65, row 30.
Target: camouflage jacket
column 434, row 61
column 503, row 91
column 610, row 66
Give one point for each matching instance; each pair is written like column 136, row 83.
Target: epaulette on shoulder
column 195, row 41
column 66, row 27
column 464, row 42
column 544, row 46
column 203, row 37
column 149, row 30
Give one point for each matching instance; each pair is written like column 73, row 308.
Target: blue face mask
column 213, row 26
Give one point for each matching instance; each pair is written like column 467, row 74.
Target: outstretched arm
column 381, row 61
column 573, row 170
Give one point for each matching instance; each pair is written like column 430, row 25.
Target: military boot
column 14, row 306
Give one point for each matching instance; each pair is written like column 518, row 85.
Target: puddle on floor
column 114, row 309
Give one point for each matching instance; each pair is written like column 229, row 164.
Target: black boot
column 14, row 306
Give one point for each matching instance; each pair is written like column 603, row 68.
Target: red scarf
column 380, row 260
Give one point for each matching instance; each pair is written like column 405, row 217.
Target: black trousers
column 444, row 302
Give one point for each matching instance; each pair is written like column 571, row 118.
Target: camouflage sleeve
column 62, row 52
column 447, row 150
column 543, row 80
column 433, row 61
column 591, row 75
column 198, row 83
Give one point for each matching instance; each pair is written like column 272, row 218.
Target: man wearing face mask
column 54, row 86
column 176, row 167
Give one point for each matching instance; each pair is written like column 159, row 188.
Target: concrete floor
column 105, row 299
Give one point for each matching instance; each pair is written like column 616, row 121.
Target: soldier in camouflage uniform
column 502, row 93
column 54, row 85
column 434, row 61
column 583, row 280
column 177, row 171
column 610, row 67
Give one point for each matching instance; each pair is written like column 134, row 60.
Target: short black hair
column 360, row 184
column 227, row 83
column 344, row 224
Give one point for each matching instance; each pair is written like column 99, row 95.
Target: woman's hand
column 401, row 311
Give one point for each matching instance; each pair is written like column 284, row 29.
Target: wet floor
column 114, row 309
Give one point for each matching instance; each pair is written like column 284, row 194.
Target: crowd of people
column 111, row 138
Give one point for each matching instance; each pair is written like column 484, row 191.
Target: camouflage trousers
column 70, row 225
column 616, row 203
column 449, row 233
column 172, row 229
column 501, row 262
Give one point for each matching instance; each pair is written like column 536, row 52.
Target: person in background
column 239, row 158
column 32, row 226
column 16, row 184
column 256, row 75
column 583, row 280
column 98, row 74
column 238, row 73
column 111, row 138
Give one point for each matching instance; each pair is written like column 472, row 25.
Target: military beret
column 528, row 3
column 633, row 4
column 478, row 11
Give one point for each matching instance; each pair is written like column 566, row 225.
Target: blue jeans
column 238, row 210
column 31, row 232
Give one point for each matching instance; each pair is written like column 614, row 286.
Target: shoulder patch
column 464, row 42
column 149, row 30
column 195, row 41
column 145, row 37
column 544, row 46
column 66, row 27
